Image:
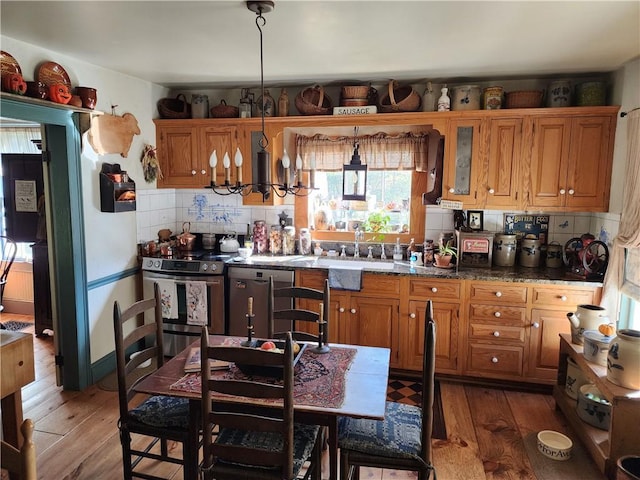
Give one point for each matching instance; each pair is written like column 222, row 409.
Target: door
column 224, row 141
column 505, row 144
column 178, row 157
column 544, row 342
column 463, row 162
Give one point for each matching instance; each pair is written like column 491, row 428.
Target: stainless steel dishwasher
column 254, row 282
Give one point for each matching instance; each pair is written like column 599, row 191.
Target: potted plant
column 445, row 253
column 377, row 223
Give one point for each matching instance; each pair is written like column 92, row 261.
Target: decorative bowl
column 593, row 408
column 269, row 371
column 554, row 445
column 245, row 252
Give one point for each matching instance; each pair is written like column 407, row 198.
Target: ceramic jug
column 586, row 317
column 623, row 360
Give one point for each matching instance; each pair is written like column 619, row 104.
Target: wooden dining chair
column 21, row 462
column 254, row 441
column 8, row 250
column 159, row 418
column 402, row 441
column 304, row 314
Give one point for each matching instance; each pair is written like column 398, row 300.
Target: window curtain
column 381, row 151
column 629, row 232
column 18, row 139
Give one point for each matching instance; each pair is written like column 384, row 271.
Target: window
column 630, row 295
column 398, row 170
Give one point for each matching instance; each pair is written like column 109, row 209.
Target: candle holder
column 249, row 342
column 321, row 347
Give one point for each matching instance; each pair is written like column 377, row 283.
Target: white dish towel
column 168, row 298
column 196, row 303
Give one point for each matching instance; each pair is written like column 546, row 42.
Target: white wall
column 110, row 237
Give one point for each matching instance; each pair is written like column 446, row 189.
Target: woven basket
column 400, row 99
column 355, row 91
column 524, row 99
column 313, row 101
column 174, row 107
column 224, row 111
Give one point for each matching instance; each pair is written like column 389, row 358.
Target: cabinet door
column 463, row 162
column 589, row 171
column 446, row 316
column 505, row 144
column 549, row 159
column 178, row 158
column 374, row 322
column 224, row 141
column 544, row 342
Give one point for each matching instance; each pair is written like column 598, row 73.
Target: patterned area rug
column 15, row 325
column 310, row 380
column 410, row 392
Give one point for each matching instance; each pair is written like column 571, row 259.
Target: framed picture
column 475, row 219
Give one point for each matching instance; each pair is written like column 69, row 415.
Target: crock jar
column 553, row 258
column 504, row 250
column 530, row 252
column 623, row 359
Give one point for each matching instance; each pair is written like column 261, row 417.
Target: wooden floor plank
column 457, row 458
column 533, row 412
column 499, row 439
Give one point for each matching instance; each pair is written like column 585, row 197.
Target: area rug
column 310, row 378
column 580, row 465
column 15, row 325
column 110, row 382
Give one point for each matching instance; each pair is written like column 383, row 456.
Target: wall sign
column 26, row 197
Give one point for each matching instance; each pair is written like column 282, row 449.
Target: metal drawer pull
column 496, row 333
column 498, row 294
column 494, row 359
column 434, row 289
column 497, row 314
column 412, row 315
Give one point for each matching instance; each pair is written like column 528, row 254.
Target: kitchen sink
column 333, row 262
column 275, row 258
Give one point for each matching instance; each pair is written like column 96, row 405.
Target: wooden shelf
column 623, row 436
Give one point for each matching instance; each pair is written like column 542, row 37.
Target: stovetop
column 200, row 262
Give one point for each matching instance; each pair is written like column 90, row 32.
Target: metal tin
column 493, row 98
column 504, row 250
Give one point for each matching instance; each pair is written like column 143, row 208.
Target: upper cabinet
column 570, row 163
column 551, row 159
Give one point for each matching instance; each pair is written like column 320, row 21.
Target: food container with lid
column 596, row 347
column 574, row 379
column 260, row 243
column 504, row 250
column 553, row 257
column 465, row 97
column 623, row 363
column 530, row 252
column 304, row 247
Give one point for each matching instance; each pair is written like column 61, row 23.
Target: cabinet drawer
column 497, row 313
column 560, row 297
column 496, row 333
column 384, row 285
column 310, row 279
column 499, row 360
column 434, row 289
column 486, row 291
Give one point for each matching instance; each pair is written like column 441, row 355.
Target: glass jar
column 289, row 240
column 304, row 246
column 427, row 253
column 275, row 240
column 260, row 244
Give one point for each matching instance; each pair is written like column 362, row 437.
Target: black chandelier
column 263, row 184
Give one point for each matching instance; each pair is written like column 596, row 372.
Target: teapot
column 229, row 244
column 186, row 239
column 586, row 317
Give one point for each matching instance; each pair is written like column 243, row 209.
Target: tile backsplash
column 211, row 213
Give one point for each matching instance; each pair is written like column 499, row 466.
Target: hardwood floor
column 76, row 435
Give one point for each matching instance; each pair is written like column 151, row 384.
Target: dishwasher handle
column 241, row 284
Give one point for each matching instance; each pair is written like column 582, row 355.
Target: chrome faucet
column 383, row 256
column 359, row 237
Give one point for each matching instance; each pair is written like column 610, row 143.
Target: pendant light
column 354, row 175
column 262, row 184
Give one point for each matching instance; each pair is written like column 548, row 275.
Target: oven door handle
column 182, row 280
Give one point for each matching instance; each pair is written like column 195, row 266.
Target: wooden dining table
column 365, row 393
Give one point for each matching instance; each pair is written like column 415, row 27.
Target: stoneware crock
column 623, row 360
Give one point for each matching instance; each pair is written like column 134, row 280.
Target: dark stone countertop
column 390, row 267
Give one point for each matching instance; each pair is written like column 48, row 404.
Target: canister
column 304, row 247
column 465, row 97
column 590, row 94
column 493, row 98
column 504, row 250
column 553, row 258
column 559, row 94
column 260, row 243
column 199, row 106
column 288, row 240
column 530, row 252
column 275, row 240
column 596, row 347
column 574, row 379
column 623, row 362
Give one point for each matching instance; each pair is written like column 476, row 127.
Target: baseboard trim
column 18, row 307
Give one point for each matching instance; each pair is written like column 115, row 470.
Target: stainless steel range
column 179, row 270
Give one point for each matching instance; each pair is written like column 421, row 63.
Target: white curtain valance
column 18, row 139
column 380, row 151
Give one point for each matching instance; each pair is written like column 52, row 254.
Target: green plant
column 377, row 223
column 447, row 250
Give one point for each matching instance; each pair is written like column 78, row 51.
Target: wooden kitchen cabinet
column 445, row 295
column 184, row 149
column 463, row 162
column 503, row 188
column 570, row 164
column 550, row 305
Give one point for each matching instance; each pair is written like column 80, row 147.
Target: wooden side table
column 17, row 360
column 623, row 436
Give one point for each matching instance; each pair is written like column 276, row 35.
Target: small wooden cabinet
column 623, row 436
column 503, row 188
column 463, row 161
